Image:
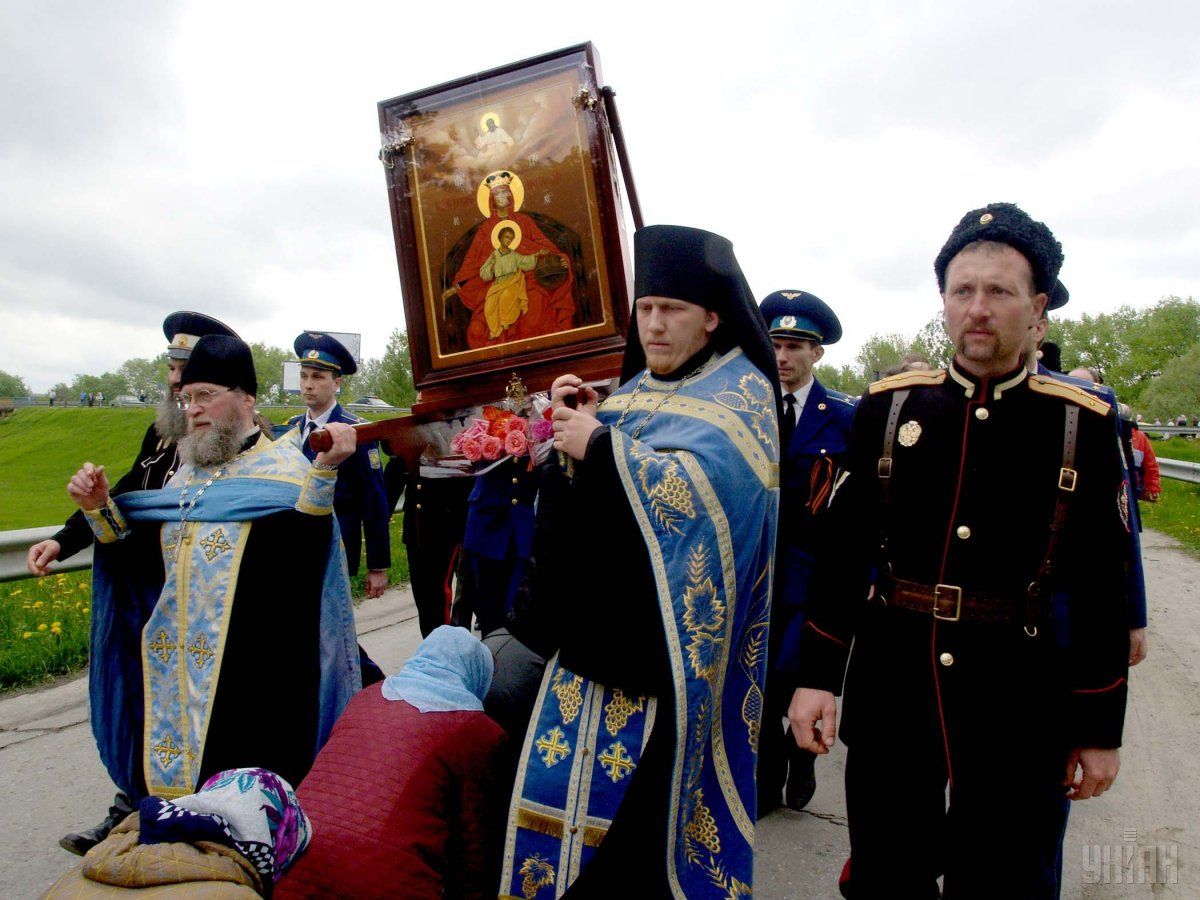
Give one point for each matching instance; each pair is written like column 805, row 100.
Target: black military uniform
column 435, row 514
column 157, row 461
column 975, row 503
column 813, row 437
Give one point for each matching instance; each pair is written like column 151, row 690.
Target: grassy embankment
column 1177, row 512
column 44, row 622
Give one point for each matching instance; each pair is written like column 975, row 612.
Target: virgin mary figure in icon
column 515, row 281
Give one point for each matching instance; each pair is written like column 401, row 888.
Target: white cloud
column 220, row 155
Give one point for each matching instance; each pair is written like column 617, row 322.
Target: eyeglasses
column 200, row 398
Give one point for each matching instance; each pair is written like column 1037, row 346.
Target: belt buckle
column 1067, row 478
column 941, row 590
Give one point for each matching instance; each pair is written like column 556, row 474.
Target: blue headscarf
column 450, row 670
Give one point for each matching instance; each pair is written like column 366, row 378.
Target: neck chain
column 185, row 511
column 671, row 393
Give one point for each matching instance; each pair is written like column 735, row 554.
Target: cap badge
column 183, row 341
column 791, row 295
column 314, row 354
column 910, row 431
column 986, row 219
column 787, row 322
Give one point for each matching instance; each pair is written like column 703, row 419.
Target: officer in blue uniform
column 497, row 544
column 815, row 430
column 360, row 499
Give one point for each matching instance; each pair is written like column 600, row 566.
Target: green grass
column 41, row 448
column 44, row 625
column 1177, row 448
column 1176, row 513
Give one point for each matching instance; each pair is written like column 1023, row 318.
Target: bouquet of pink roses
column 500, row 433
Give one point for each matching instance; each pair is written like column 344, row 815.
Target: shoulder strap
column 1067, row 480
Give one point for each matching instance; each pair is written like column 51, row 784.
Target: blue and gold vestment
column 186, row 603
column 701, row 478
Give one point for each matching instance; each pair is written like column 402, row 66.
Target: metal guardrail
column 1179, row 469
column 14, row 547
column 1167, row 431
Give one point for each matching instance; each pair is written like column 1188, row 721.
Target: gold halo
column 483, row 192
column 483, row 120
column 500, row 226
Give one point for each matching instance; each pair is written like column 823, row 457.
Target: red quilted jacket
column 400, row 805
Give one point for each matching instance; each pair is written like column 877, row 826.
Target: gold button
column 418, row 506
column 514, row 501
column 574, row 829
column 820, row 406
column 946, row 659
column 516, row 481
column 585, row 751
column 418, row 485
column 963, row 532
column 981, row 413
column 986, row 219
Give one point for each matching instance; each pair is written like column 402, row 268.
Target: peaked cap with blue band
column 323, row 351
column 184, row 328
column 1006, row 223
column 800, row 315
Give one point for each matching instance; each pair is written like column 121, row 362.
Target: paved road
column 51, row 780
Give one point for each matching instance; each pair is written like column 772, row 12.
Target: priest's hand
column 345, row 441
column 572, row 431
column 565, row 386
column 41, row 555
column 808, row 707
column 89, row 487
column 1091, row 772
column 376, row 582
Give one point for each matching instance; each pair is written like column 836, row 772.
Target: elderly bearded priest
column 245, row 660
column 637, row 774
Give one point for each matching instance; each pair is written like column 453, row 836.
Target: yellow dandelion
column 27, row 635
column 15, row 593
column 85, row 609
column 56, row 624
column 39, row 604
column 43, row 627
column 56, row 629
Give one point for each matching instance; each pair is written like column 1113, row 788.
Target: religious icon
column 515, row 281
column 508, row 221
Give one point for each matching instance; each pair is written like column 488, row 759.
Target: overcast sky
column 220, row 155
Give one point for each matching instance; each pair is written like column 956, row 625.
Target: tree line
column 1150, row 356
column 388, row 377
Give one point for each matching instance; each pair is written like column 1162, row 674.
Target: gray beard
column 214, row 447
column 170, row 421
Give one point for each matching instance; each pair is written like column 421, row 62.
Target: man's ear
column 711, row 321
column 818, row 352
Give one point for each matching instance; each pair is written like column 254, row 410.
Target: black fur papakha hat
column 1006, row 223
column 1059, row 295
column 224, row 360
